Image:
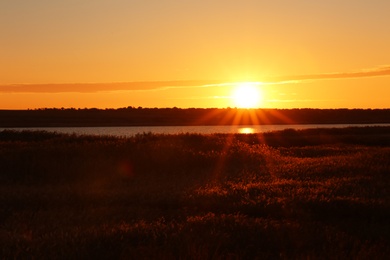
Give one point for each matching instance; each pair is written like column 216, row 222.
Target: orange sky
column 96, row 53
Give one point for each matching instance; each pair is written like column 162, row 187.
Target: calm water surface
column 131, row 131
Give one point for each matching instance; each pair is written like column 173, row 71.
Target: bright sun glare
column 247, row 95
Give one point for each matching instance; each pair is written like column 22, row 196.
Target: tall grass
column 196, row 196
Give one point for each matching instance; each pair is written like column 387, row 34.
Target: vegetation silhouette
column 131, row 116
column 318, row 193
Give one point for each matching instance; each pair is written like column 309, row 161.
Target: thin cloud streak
column 300, row 100
column 101, row 87
column 164, row 85
column 374, row 72
column 201, row 98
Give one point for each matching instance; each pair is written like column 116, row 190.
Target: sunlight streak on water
column 246, row 130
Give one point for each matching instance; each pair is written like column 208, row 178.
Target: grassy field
column 310, row 194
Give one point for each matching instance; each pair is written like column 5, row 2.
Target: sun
column 247, row 95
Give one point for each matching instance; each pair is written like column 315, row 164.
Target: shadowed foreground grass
column 292, row 194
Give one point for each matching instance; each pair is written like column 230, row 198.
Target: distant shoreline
column 130, row 116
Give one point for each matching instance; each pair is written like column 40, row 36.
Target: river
column 131, row 131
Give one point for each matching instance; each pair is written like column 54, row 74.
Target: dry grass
column 196, row 196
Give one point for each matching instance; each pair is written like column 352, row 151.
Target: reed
column 321, row 193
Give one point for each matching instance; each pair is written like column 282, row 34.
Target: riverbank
column 130, row 116
column 318, row 193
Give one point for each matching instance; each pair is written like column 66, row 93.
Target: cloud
column 102, row 87
column 161, row 85
column 300, row 100
column 374, row 72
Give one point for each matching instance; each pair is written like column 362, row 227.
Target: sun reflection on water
column 246, row 130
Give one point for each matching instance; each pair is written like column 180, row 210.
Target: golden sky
column 184, row 53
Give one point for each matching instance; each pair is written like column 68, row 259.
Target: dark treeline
column 132, row 116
